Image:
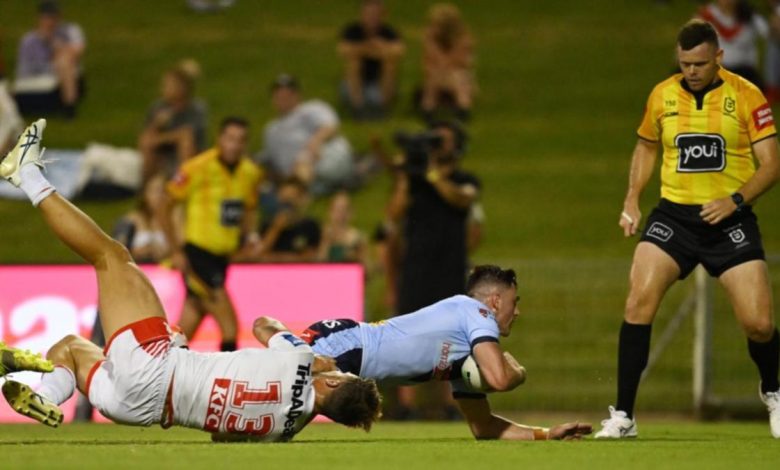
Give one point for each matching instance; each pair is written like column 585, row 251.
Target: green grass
column 668, row 444
column 563, row 85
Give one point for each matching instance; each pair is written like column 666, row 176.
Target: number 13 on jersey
column 228, row 403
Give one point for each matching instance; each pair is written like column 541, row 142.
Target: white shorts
column 131, row 385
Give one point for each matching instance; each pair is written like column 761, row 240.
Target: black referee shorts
column 206, row 271
column 679, row 230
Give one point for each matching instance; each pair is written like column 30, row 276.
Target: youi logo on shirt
column 698, row 153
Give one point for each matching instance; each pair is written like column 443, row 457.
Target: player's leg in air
column 125, row 294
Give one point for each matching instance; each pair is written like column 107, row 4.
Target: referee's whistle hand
column 629, row 221
column 714, row 212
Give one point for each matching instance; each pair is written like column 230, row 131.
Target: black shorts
column 206, row 270
column 679, row 230
column 339, row 339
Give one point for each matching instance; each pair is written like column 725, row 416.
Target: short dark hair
column 233, row 121
column 285, row 80
column 294, row 181
column 49, row 7
column 489, row 274
column 356, row 403
column 696, row 32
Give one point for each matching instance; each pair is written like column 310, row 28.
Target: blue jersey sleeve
column 481, row 325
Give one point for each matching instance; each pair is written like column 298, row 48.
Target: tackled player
column 142, row 378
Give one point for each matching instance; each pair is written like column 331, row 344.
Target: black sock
column 228, row 345
column 767, row 358
column 633, row 351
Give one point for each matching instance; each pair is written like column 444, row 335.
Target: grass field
column 563, row 85
column 678, row 445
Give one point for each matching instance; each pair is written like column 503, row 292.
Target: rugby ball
column 472, row 377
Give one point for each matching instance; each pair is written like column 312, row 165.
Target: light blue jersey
column 429, row 344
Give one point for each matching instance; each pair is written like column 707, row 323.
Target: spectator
column 10, row 121
column 219, row 191
column 433, row 204
column 304, row 141
column 772, row 65
column 140, row 230
column 739, row 29
column 49, row 73
column 371, row 50
column 448, row 62
column 341, row 242
column 290, row 236
column 175, row 127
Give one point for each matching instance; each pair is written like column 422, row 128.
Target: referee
column 712, row 125
column 219, row 191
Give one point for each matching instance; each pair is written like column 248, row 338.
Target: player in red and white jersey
column 142, row 377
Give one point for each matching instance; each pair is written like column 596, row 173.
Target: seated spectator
column 11, row 123
column 739, row 29
column 448, row 62
column 772, row 59
column 139, row 230
column 304, row 141
column 49, row 74
column 371, row 50
column 290, row 236
column 341, row 242
column 175, row 128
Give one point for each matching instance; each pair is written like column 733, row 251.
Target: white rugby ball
column 472, row 377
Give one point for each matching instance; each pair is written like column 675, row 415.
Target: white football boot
column 772, row 402
column 618, row 426
column 27, row 151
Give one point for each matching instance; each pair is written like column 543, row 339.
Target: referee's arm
column 767, row 174
column 642, row 164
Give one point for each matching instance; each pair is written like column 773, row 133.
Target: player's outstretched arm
column 265, row 327
column 485, row 425
column 500, row 369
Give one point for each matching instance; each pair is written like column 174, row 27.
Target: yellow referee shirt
column 708, row 139
column 215, row 199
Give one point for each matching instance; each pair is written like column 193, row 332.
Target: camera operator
column 432, row 198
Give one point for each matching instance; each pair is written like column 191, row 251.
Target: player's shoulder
column 250, row 168
column 201, row 160
column 472, row 308
column 739, row 84
column 673, row 81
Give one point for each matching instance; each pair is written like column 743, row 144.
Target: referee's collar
column 717, row 82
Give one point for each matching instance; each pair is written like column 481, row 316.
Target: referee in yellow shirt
column 712, row 126
column 218, row 189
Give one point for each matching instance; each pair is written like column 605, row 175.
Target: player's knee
column 761, row 330
column 639, row 309
column 119, row 253
column 60, row 351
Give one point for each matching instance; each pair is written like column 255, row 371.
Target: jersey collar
column 699, row 95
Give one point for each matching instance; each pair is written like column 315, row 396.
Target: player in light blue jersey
column 434, row 342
